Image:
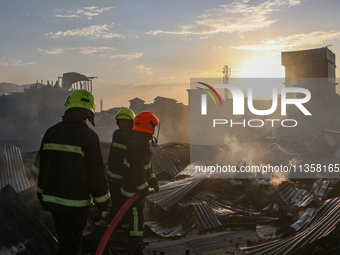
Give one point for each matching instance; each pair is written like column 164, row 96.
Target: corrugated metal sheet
column 278, row 149
column 179, row 151
column 320, row 187
column 210, row 244
column 20, row 231
column 322, row 223
column 303, row 219
column 300, row 197
column 28, row 159
column 223, row 208
column 12, row 170
column 170, row 194
column 294, row 196
column 162, row 163
column 165, row 230
column 206, row 215
column 303, row 145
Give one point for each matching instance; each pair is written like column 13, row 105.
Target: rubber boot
column 136, row 245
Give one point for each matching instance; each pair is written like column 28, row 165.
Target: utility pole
column 227, row 72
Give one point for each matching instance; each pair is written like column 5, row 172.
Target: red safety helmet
column 145, row 122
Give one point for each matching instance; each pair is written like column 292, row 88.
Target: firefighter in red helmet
column 71, row 172
column 138, row 176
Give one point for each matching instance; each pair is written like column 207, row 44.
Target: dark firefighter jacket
column 138, row 175
column 71, row 168
column 117, row 154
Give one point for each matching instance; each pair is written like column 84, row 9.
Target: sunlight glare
column 263, row 68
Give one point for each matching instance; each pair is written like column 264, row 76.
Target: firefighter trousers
column 70, row 232
column 134, row 220
column 114, row 185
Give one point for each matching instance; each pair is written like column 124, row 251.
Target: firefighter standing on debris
column 138, row 176
column 71, row 169
column 120, row 137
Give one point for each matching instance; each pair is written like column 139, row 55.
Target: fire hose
column 114, row 223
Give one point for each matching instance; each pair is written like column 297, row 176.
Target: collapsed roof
column 210, row 215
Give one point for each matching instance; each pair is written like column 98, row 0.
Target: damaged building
column 26, row 115
column 174, row 119
column 200, row 211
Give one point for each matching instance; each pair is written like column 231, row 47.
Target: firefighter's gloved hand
column 145, row 192
column 97, row 216
column 153, row 183
column 156, row 189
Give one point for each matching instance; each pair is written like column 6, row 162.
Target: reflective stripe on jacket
column 70, row 169
column 117, row 154
column 137, row 162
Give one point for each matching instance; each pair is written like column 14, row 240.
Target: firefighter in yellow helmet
column 138, row 176
column 71, row 170
column 115, row 163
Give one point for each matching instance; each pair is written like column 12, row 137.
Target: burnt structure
column 75, row 81
column 25, row 116
column 173, row 115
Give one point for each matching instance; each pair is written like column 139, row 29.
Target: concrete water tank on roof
column 315, row 63
column 308, row 64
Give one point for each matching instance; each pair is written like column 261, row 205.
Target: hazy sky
column 152, row 48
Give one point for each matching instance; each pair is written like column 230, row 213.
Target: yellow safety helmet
column 125, row 114
column 80, row 98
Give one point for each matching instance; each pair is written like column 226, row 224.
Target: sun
column 263, row 68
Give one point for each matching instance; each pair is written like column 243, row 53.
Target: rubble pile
column 258, row 210
column 202, row 213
